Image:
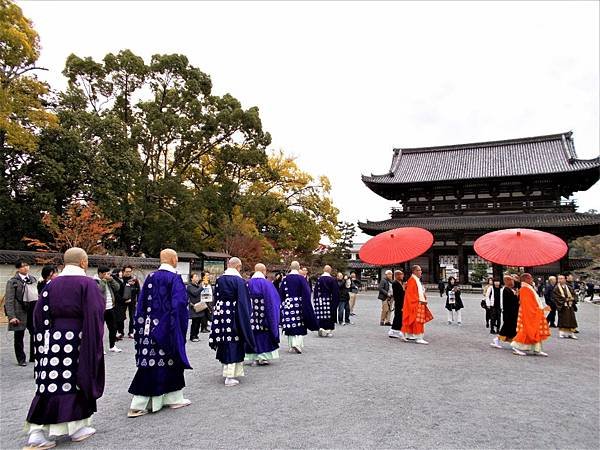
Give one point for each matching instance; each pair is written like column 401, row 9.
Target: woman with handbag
column 454, row 302
column 197, row 306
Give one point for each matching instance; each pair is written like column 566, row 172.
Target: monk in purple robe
column 161, row 321
column 297, row 314
column 231, row 335
column 69, row 359
column 264, row 317
column 326, row 300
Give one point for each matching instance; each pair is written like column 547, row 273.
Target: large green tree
column 24, row 115
column 175, row 164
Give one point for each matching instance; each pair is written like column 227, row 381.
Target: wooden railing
column 488, row 206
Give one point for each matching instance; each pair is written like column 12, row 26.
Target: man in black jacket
column 20, row 299
column 551, row 318
column 398, row 290
column 130, row 289
column 386, row 296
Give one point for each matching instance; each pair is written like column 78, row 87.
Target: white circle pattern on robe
column 45, row 294
column 42, row 388
column 61, row 354
column 292, row 313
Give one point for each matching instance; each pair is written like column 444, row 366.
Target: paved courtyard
column 359, row 389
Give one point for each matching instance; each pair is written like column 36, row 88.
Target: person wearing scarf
column 297, row 314
column 510, row 312
column 68, row 327
column 326, row 300
column 565, row 300
column 161, row 321
column 494, row 306
column 264, row 318
column 532, row 327
column 231, row 331
column 415, row 313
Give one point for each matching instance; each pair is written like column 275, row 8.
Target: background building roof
column 537, row 155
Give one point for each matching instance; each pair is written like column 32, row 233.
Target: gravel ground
column 359, row 389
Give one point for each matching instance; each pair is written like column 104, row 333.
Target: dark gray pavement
column 359, row 389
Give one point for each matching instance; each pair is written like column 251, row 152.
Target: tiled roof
column 486, row 222
column 498, row 159
column 11, row 257
column 357, row 264
column 217, row 255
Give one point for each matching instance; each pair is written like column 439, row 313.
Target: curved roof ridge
column 469, row 145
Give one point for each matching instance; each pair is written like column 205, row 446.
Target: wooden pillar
column 497, row 271
column 430, row 267
column 463, row 269
column 436, row 268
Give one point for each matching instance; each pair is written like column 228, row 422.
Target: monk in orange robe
column 532, row 327
column 415, row 312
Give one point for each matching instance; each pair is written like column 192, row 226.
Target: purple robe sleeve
column 335, row 298
column 243, row 314
column 273, row 306
column 170, row 333
column 90, row 371
column 308, row 313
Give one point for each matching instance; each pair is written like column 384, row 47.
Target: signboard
column 214, row 269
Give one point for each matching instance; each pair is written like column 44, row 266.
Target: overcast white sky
column 341, row 84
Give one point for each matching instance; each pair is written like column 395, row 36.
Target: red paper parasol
column 520, row 247
column 396, row 246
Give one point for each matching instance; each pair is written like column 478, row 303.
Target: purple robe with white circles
column 161, row 321
column 69, row 356
column 231, row 335
column 264, row 315
column 297, row 314
column 326, row 299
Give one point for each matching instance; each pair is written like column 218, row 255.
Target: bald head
column 168, row 256
column 260, row 267
column 76, row 256
column 234, row 263
column 327, row 269
column 295, row 265
column 527, row 278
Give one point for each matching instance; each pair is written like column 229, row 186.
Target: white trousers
column 233, row 370
column 453, row 313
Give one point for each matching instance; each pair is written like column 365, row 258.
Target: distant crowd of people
column 66, row 315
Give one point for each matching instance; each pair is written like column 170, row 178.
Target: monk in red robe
column 532, row 327
column 415, row 312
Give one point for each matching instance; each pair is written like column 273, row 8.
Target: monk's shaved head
column 75, row 256
column 295, row 265
column 327, row 268
column 234, row 263
column 168, row 256
column 527, row 278
column 260, row 267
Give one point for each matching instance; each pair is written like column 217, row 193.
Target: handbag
column 200, row 306
column 483, row 304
